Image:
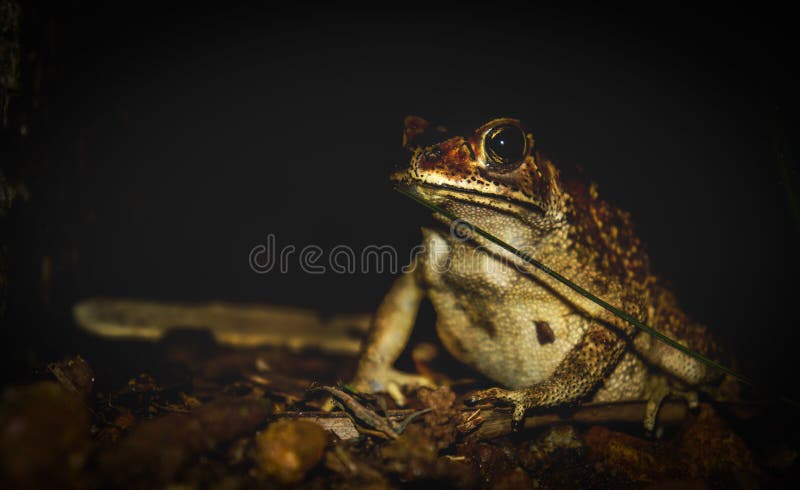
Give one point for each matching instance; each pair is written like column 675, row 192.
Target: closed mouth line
column 458, row 190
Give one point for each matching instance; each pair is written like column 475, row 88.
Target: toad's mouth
column 441, row 194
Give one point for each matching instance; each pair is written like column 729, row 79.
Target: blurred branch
column 240, row 325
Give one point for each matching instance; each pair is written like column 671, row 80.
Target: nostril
column 429, row 157
column 433, row 153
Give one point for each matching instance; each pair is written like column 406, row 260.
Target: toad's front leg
column 575, row 378
column 391, row 328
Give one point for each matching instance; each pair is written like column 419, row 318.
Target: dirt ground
column 204, row 416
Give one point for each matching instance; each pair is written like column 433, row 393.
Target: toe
column 389, row 379
column 490, row 395
column 519, row 414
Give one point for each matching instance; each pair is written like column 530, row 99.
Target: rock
column 288, row 449
column 44, row 437
column 155, row 450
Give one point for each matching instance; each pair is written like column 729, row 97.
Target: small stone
column 288, row 449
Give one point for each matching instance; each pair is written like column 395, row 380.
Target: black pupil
column 504, row 145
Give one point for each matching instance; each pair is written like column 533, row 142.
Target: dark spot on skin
column 600, row 285
column 544, row 334
column 471, row 152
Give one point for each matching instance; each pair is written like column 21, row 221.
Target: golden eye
column 505, row 146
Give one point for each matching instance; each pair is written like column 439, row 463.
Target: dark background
column 164, row 143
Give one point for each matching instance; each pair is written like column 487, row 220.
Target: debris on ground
column 257, row 418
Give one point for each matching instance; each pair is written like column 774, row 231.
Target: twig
column 498, row 423
column 360, row 412
column 494, row 422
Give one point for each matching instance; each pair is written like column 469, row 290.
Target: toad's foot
column 522, row 400
column 655, row 401
column 391, row 381
column 658, row 389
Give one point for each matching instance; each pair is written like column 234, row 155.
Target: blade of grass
column 586, row 294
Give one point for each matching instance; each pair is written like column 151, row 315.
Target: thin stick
column 490, row 422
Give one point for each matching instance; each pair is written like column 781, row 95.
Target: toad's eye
column 505, row 146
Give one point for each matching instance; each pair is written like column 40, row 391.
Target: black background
column 173, row 140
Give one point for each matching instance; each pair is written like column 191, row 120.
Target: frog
column 542, row 343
